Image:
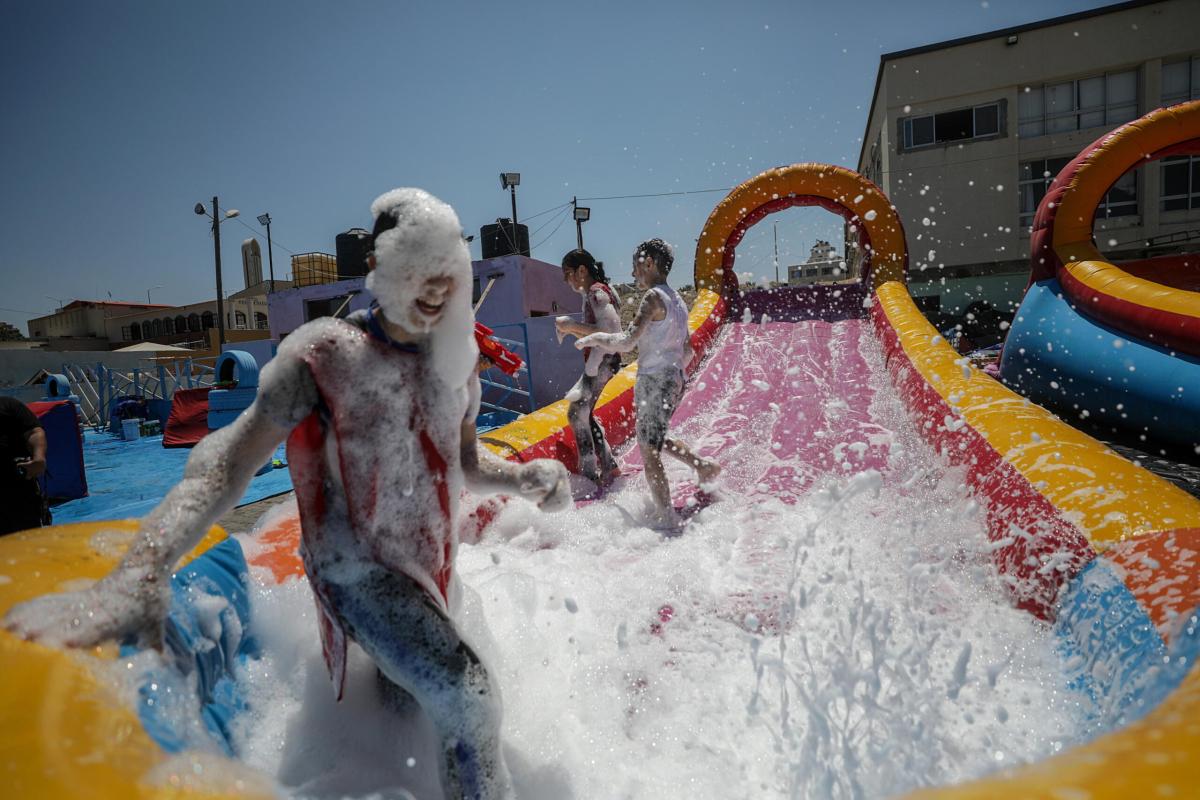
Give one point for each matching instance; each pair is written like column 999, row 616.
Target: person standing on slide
column 379, row 414
column 600, row 315
column 660, row 333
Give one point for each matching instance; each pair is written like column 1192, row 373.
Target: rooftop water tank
column 353, row 247
column 498, row 240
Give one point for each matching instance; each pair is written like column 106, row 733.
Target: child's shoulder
column 602, row 293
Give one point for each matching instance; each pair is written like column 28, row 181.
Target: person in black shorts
column 22, row 462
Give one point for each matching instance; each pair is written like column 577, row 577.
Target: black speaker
column 498, row 240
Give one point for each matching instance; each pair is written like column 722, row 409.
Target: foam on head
column 426, row 242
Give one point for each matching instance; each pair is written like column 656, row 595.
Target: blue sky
column 121, row 116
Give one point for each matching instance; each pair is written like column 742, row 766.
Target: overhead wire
column 551, row 235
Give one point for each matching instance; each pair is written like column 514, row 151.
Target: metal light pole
column 152, row 288
column 265, row 219
column 581, row 215
column 775, row 227
column 510, row 181
column 216, row 232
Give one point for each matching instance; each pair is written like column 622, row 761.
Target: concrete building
column 83, row 324
column 185, row 326
column 251, row 263
column 965, row 136
column 823, row 264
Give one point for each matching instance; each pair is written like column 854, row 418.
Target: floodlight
column 582, row 214
column 509, row 179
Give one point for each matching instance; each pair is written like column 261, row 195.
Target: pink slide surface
column 778, row 405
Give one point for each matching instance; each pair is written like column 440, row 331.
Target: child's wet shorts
column 655, row 397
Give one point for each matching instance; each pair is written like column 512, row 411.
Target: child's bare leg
column 656, row 476
column 706, row 469
column 416, row 647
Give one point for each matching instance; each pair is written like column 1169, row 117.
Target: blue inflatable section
column 1080, row 368
column 1112, row 650
column 206, row 633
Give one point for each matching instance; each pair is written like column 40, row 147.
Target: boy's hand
column 119, row 606
column 544, row 482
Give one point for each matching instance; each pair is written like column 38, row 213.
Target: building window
column 313, row 309
column 208, row 320
column 181, row 324
column 1180, row 183
column 193, row 322
column 239, row 320
column 1036, row 177
column 260, row 321
column 168, row 326
column 1181, row 81
column 125, row 334
column 1098, row 101
column 147, row 330
column 958, row 125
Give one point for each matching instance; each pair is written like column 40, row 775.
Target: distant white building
column 965, row 137
column 823, row 264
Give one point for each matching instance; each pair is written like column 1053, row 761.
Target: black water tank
column 498, row 240
column 353, row 247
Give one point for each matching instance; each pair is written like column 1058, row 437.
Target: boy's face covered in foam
column 422, row 278
column 421, row 264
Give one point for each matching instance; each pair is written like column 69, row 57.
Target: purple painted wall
column 286, row 309
column 521, row 305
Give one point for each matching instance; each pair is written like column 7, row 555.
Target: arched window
column 260, row 320
column 168, row 325
column 147, row 330
column 135, row 332
column 156, row 327
column 181, row 324
column 193, row 322
column 208, row 320
column 239, row 320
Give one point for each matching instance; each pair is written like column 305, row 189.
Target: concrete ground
column 242, row 518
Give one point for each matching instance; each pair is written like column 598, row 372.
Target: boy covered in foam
column 379, row 414
column 660, row 333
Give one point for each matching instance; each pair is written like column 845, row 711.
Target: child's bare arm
column 543, row 481
column 650, row 310
column 133, row 598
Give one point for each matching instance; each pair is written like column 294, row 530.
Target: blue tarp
column 128, row 479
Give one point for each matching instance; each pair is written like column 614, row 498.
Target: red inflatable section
column 188, row 422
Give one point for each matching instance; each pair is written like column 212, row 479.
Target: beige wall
column 974, row 221
column 248, row 306
column 81, row 322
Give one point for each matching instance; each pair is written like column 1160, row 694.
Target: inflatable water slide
column 1100, row 550
column 1114, row 345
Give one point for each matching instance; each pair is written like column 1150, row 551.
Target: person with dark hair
column 660, row 332
column 379, row 414
column 22, row 462
column 600, row 315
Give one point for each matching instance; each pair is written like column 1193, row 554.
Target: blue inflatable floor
column 128, row 479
